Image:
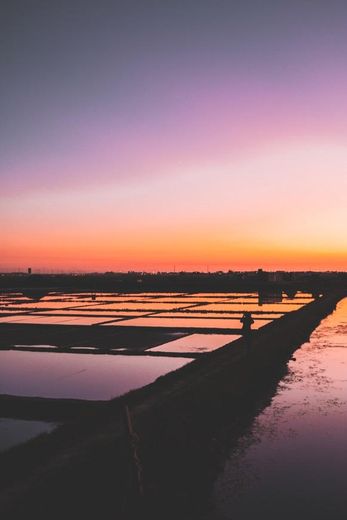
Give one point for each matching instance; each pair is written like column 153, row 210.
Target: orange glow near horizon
column 171, row 254
column 236, row 214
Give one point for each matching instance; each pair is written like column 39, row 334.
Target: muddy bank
column 182, row 421
column 46, row 409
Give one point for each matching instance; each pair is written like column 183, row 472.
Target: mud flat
column 184, row 422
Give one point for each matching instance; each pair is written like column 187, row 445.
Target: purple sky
column 146, row 134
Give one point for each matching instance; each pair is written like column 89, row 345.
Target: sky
column 187, row 135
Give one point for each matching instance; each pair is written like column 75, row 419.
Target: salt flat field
column 142, row 304
column 98, row 346
column 40, row 336
column 98, row 315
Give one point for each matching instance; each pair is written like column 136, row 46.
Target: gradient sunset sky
column 152, row 134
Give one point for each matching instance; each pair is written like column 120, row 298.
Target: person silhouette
column 247, row 322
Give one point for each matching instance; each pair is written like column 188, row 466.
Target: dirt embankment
column 185, row 422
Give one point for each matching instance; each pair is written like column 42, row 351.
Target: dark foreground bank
column 184, row 422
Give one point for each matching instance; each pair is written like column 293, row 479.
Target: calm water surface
column 80, row 376
column 17, row 431
column 293, row 464
column 186, row 323
column 197, row 343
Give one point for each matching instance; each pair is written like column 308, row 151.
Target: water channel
column 292, row 463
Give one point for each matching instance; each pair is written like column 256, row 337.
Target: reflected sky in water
column 293, row 462
column 36, row 319
column 80, row 376
column 162, row 309
column 16, row 431
column 197, row 343
column 266, row 307
column 186, row 323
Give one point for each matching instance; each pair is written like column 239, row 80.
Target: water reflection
column 292, row 464
column 80, row 376
column 17, row 431
column 205, row 323
column 37, row 319
column 167, row 309
column 197, row 343
column 274, row 307
column 142, row 306
column 213, row 314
